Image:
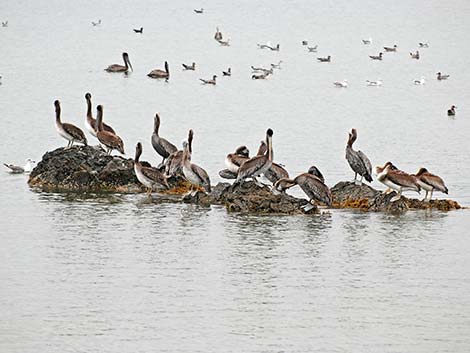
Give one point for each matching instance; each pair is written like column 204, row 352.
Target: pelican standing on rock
column 174, row 163
column 311, row 185
column 108, row 139
column 257, row 165
column 357, row 160
column 90, row 122
column 430, row 182
column 68, row 131
column 162, row 146
column 397, row 180
column 194, row 173
column 121, row 68
column 149, row 177
column 158, row 73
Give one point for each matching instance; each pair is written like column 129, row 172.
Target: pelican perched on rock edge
column 430, row 182
column 161, row 145
column 90, row 122
column 149, row 177
column 257, row 165
column 397, row 180
column 357, row 160
column 312, row 185
column 68, row 131
column 194, row 173
column 108, row 139
column 121, row 68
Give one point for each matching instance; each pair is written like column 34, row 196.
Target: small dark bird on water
column 451, row 111
column 228, row 72
column 201, row 10
column 141, row 30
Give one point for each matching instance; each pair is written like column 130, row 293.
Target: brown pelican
column 157, row 73
column 108, row 139
column 194, row 173
column 201, row 10
column 325, row 60
column 174, row 163
column 415, row 55
column 357, row 160
column 376, row 57
column 189, row 67
column 163, row 147
column 120, row 68
column 397, row 180
column 149, row 177
column 90, row 122
column 257, row 165
column 209, row 82
column 68, row 131
column 441, row 77
column 394, row 48
column 218, row 34
column 430, row 182
column 276, row 171
column 228, row 72
column 141, row 30
column 451, row 111
column 233, row 161
column 310, row 183
column 16, row 169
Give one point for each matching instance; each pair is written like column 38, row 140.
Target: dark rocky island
column 89, row 169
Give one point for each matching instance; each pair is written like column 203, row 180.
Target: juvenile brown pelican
column 310, row 184
column 149, row 177
column 430, row 182
column 218, row 34
column 174, row 163
column 233, row 161
column 325, row 60
column 68, row 131
column 209, row 82
column 257, row 165
column 16, row 169
column 157, row 73
column 276, row 172
column 394, row 48
column 397, row 180
column 415, row 55
column 451, row 111
column 120, row 68
column 376, row 57
column 441, row 77
column 90, row 122
column 189, row 67
column 141, row 30
column 194, row 173
column 162, row 146
column 357, row 160
column 316, row 172
column 228, row 72
column 108, row 139
column 201, row 10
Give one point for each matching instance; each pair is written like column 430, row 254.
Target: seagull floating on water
column 228, row 72
column 141, row 30
column 276, row 66
column 376, row 57
column 325, row 60
column 341, row 84
column 312, row 49
column 96, row 23
column 374, row 83
column 423, row 45
column 367, row 41
column 5, row 24
column 421, row 81
column 189, row 67
column 451, row 111
column 415, row 55
column 391, row 49
column 16, row 169
column 201, row 10
column 209, row 82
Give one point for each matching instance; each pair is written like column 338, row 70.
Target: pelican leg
column 430, row 196
column 397, row 197
column 355, row 178
column 426, row 197
column 359, row 182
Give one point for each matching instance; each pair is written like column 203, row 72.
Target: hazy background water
column 120, row 273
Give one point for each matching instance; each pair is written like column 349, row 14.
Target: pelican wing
column 402, row 179
column 203, row 176
column 252, row 166
column 276, row 172
column 74, row 131
column 366, row 162
column 111, row 140
column 154, row 175
column 435, row 181
column 163, row 147
column 314, row 188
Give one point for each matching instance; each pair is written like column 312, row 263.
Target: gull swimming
column 421, row 81
column 341, row 84
column 16, row 169
column 374, row 83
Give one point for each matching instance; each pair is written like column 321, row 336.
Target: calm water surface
column 121, row 273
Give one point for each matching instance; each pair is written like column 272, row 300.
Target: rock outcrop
column 89, row 169
column 349, row 195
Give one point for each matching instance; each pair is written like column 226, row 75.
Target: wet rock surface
column 364, row 197
column 89, row 169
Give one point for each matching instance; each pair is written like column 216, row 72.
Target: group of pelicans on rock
column 240, row 166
